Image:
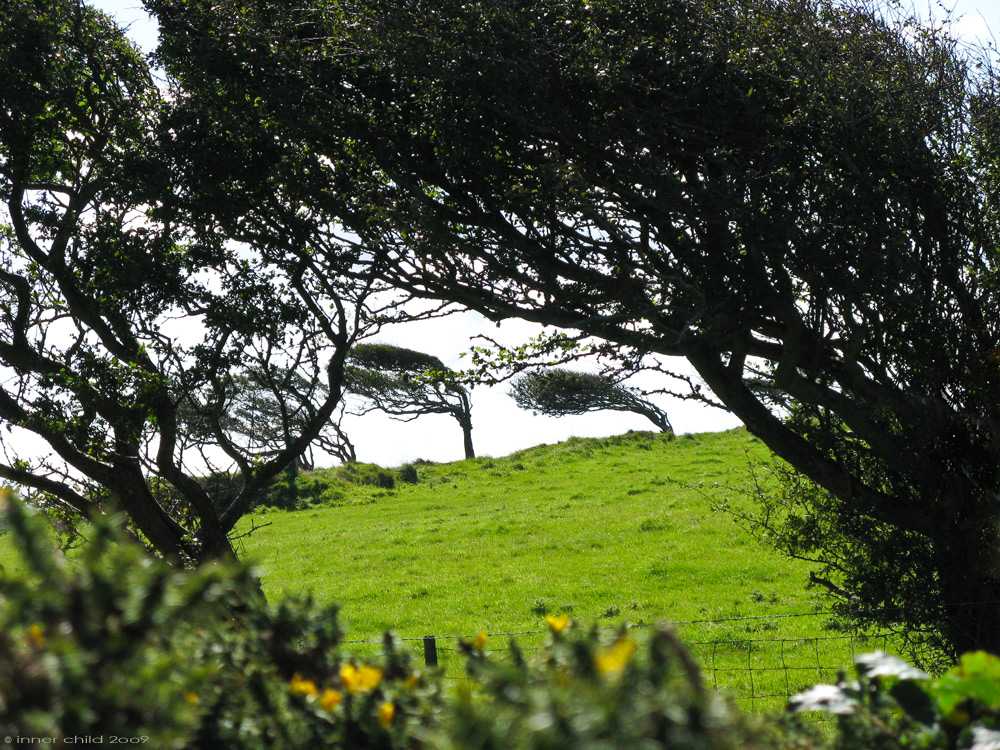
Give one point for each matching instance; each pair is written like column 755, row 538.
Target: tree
column 267, row 408
column 797, row 196
column 407, row 384
column 560, row 392
column 128, row 313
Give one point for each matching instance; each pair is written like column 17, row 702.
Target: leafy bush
column 116, row 643
column 328, row 487
column 588, row 691
column 892, row 704
column 366, row 474
column 408, row 473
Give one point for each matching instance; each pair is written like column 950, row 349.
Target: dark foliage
column 559, row 392
column 138, row 341
column 797, row 196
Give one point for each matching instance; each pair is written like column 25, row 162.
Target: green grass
column 608, row 530
column 586, row 526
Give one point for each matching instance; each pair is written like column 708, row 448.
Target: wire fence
column 761, row 673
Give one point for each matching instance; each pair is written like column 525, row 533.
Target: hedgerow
column 116, row 643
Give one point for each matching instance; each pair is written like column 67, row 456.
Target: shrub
column 328, row 487
column 539, row 607
column 384, row 479
column 116, row 643
column 408, row 474
column 98, row 646
column 891, row 704
column 587, row 691
column 366, row 474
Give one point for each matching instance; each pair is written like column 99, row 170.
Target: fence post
column 430, row 651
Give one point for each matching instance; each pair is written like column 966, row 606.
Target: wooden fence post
column 430, row 651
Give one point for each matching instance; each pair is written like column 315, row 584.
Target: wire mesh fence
column 761, row 673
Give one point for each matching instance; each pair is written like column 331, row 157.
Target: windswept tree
column 406, row 384
column 797, row 196
column 560, row 392
column 265, row 409
column 131, row 304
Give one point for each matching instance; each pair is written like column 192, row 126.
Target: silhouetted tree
column 126, row 311
column 559, row 392
column 800, row 197
column 406, row 384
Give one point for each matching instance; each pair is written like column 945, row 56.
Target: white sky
column 499, row 426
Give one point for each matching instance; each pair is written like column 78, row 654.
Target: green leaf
column 977, row 678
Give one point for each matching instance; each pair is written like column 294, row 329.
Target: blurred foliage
column 586, row 691
column 117, row 643
column 891, row 704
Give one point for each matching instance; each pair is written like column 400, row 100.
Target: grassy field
column 607, row 530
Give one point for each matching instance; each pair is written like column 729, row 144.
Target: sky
column 500, row 427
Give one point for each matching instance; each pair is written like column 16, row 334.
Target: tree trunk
column 663, row 423
column 215, row 545
column 168, row 537
column 463, row 415
column 132, row 496
column 291, row 489
column 470, row 451
column 655, row 416
column 970, row 586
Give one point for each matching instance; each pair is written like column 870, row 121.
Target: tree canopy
column 267, row 408
column 797, row 196
column 130, row 314
column 559, row 392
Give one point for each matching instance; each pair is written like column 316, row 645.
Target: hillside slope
column 607, row 529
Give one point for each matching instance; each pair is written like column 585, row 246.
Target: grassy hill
column 607, row 530
column 604, row 528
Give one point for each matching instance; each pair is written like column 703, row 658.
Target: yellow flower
column 330, row 699
column 557, row 623
column 369, row 677
column 192, row 698
column 37, row 636
column 302, row 686
column 614, row 658
column 385, row 713
column 480, row 641
column 361, row 680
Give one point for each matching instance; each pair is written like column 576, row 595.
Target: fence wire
column 761, row 673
